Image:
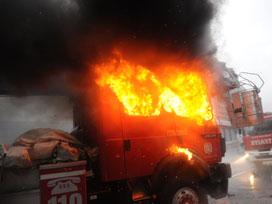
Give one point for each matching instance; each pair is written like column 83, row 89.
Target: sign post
column 63, row 183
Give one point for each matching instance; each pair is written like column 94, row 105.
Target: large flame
column 142, row 93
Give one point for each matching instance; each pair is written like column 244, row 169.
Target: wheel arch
column 177, row 166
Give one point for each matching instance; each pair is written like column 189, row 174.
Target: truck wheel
column 185, row 194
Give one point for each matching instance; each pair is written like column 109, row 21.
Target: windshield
column 264, row 128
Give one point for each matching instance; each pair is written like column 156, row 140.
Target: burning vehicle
column 156, row 133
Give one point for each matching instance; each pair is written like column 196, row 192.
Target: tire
column 182, row 194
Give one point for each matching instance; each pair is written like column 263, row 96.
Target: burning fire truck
column 157, row 137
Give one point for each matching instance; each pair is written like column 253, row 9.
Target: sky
column 243, row 33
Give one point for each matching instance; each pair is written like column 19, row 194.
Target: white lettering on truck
column 261, row 142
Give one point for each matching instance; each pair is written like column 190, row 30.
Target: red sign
column 258, row 142
column 63, row 183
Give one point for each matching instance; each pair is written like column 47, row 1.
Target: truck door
column 146, row 142
column 111, row 151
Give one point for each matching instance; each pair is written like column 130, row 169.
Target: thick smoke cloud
column 174, row 24
column 53, row 41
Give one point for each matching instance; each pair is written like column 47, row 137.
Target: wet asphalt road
column 245, row 186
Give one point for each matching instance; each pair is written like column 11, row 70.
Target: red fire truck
column 143, row 159
column 258, row 143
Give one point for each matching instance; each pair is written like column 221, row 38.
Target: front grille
column 264, row 150
column 263, row 157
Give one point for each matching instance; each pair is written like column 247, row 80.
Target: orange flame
column 143, row 94
column 179, row 150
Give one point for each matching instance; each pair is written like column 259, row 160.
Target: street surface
column 245, row 187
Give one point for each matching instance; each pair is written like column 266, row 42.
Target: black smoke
column 45, row 42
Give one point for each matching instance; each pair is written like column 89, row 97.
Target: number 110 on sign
column 74, row 198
